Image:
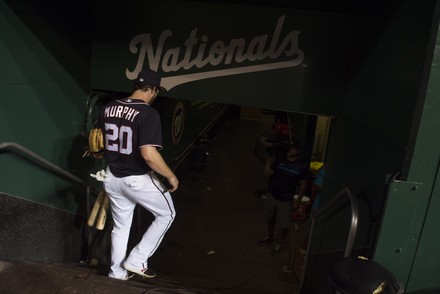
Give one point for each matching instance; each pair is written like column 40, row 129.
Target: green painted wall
column 44, row 83
column 426, row 267
column 412, row 255
column 370, row 136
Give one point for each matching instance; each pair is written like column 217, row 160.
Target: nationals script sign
column 195, row 53
column 263, row 57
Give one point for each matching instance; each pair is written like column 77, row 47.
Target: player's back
column 128, row 124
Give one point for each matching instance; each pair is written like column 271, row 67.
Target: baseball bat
column 102, row 217
column 95, row 209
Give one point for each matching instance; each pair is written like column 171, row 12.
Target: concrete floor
column 218, row 211
column 212, row 246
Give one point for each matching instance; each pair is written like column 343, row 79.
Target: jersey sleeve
column 150, row 131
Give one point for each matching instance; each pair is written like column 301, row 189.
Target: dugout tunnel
column 369, row 66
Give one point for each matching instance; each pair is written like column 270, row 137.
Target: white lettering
column 237, row 44
column 170, row 60
column 256, row 48
column 237, row 51
column 146, row 47
column 189, row 44
column 216, row 53
column 127, row 113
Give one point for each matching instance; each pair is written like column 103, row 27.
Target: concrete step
column 30, row 277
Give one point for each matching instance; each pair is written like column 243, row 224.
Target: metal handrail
column 18, row 149
column 11, row 146
column 352, row 232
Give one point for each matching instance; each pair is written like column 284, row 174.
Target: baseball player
column 132, row 138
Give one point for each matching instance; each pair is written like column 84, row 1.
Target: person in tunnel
column 132, row 135
column 288, row 176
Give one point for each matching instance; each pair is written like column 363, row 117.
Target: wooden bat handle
column 103, row 213
column 95, row 209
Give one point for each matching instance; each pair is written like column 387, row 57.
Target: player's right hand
column 174, row 183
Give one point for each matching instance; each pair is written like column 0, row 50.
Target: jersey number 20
column 118, row 139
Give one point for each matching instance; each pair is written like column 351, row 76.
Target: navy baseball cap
column 149, row 78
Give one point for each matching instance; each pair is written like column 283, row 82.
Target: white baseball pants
column 124, row 194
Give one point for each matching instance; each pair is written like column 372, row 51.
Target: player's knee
column 166, row 218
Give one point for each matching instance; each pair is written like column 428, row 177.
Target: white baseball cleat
column 146, row 273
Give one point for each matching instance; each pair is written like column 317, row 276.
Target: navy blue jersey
column 285, row 179
column 127, row 125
